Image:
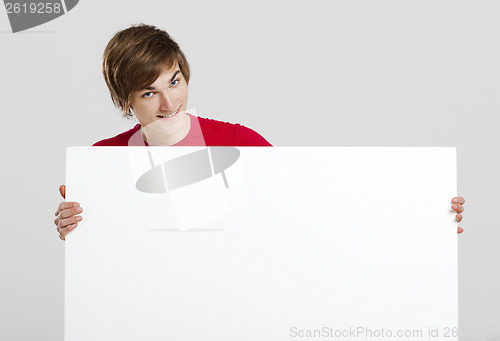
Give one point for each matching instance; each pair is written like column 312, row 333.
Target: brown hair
column 133, row 60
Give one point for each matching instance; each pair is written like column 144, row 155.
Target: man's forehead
column 172, row 69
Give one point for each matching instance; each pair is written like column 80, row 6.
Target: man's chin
column 166, row 125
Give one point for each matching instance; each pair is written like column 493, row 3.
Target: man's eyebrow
column 171, row 80
column 175, row 75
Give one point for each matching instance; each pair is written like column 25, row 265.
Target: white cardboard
column 306, row 243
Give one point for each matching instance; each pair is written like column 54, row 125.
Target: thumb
column 62, row 190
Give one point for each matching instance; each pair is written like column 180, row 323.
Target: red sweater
column 203, row 132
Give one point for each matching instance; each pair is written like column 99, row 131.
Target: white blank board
column 286, row 243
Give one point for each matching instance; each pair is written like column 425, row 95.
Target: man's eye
column 147, row 94
column 175, row 82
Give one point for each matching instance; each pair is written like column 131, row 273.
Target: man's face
column 163, row 102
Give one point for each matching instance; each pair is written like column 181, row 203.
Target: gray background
column 321, row 73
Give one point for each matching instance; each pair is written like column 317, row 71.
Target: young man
column 147, row 75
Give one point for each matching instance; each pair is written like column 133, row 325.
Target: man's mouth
column 168, row 116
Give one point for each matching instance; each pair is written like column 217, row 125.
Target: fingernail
column 454, row 206
column 76, row 204
column 78, row 218
column 79, row 209
column 455, row 200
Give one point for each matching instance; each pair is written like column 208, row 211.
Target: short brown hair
column 135, row 57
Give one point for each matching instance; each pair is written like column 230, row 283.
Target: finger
column 457, row 207
column 459, row 230
column 458, row 200
column 65, row 205
column 60, row 211
column 459, row 217
column 69, row 212
column 62, row 190
column 63, row 232
column 63, row 223
column 60, row 228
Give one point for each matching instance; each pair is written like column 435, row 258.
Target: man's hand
column 456, row 206
column 67, row 215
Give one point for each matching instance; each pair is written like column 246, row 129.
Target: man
column 147, row 75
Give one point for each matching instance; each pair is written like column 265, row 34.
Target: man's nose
column 166, row 103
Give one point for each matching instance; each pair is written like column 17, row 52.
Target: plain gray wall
column 315, row 73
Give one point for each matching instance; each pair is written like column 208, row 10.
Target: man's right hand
column 67, row 215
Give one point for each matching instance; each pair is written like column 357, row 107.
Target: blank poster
column 258, row 243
